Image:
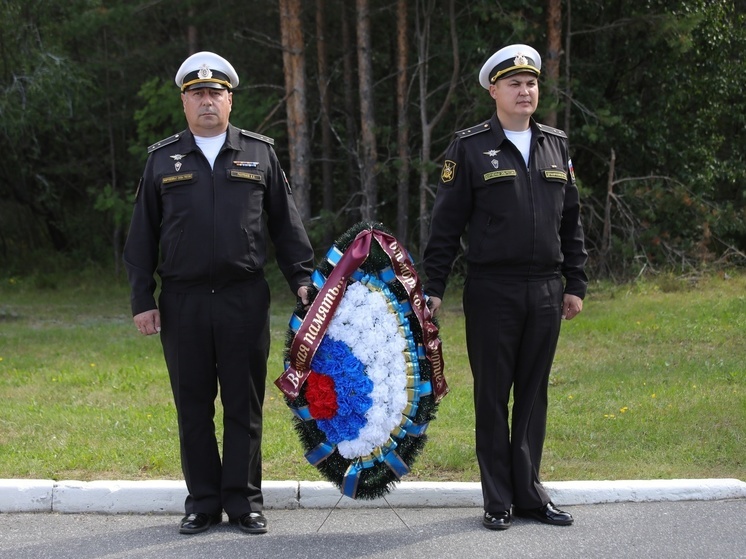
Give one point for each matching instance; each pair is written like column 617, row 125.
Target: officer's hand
column 303, row 295
column 434, row 304
column 148, row 322
column 572, row 305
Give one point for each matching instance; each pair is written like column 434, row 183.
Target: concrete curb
column 167, row 497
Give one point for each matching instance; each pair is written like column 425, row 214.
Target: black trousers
column 512, row 328
column 210, row 340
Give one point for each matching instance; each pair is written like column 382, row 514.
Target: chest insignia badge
column 495, row 163
column 492, row 152
column 249, row 164
column 177, row 157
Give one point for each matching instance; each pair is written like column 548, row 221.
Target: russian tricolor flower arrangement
column 363, row 364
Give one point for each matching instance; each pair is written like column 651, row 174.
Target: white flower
column 364, row 321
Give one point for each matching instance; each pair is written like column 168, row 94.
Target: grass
column 649, row 382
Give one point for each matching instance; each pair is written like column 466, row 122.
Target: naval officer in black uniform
column 198, row 222
column 509, row 183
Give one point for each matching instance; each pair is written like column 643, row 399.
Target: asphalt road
column 680, row 529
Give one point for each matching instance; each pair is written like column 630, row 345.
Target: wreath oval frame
column 374, row 475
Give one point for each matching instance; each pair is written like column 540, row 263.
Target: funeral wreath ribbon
column 364, row 365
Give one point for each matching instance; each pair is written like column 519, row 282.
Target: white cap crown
column 206, row 69
column 508, row 61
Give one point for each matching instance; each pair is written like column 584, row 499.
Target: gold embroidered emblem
column 245, row 175
column 555, row 175
column 178, row 178
column 449, row 171
column 500, row 174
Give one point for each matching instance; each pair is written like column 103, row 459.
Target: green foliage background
column 86, row 86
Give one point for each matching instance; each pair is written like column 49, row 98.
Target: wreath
column 363, row 364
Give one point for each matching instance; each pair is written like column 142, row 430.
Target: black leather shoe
column 253, row 523
column 548, row 514
column 197, row 522
column 497, row 520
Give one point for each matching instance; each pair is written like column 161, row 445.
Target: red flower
column 321, row 396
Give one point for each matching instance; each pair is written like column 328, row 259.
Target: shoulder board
column 256, row 136
column 550, row 130
column 466, row 132
column 164, row 142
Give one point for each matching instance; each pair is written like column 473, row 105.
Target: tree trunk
column 369, row 160
column 422, row 26
column 568, row 83
column 326, row 131
column 606, row 236
column 402, row 138
column 554, row 49
column 353, row 160
column 294, row 66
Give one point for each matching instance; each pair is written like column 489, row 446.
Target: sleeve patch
column 449, row 171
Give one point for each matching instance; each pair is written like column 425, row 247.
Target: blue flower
column 352, row 386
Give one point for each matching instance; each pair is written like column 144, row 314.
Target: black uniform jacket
column 203, row 229
column 522, row 223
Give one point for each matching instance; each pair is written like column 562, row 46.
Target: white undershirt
column 210, row 146
column 521, row 140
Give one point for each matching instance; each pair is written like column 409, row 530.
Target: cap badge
column 520, row 60
column 204, row 72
